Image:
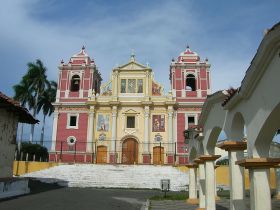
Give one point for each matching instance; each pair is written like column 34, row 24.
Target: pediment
column 131, row 111
column 133, row 66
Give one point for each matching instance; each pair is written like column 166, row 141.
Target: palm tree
column 24, row 96
column 45, row 103
column 37, row 78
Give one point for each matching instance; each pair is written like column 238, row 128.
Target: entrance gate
column 130, row 151
column 158, row 155
column 101, row 154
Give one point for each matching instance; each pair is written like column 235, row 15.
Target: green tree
column 37, row 79
column 45, row 104
column 24, row 96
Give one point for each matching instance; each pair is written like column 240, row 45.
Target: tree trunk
column 34, row 115
column 43, row 131
column 20, row 138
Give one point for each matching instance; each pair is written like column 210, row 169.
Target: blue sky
column 227, row 32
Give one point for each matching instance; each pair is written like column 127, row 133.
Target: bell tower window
column 190, row 82
column 75, row 83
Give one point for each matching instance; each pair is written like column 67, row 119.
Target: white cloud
column 157, row 33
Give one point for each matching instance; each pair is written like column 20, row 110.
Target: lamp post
column 189, row 134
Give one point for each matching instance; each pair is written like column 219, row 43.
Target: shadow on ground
column 37, row 186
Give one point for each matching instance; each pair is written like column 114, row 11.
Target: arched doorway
column 101, row 154
column 158, row 155
column 130, row 151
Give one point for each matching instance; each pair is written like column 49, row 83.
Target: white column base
column 237, row 181
column 210, row 185
column 260, row 196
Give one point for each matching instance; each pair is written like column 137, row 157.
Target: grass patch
column 224, row 194
column 170, row 196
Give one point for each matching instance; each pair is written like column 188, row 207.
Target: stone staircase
column 112, row 176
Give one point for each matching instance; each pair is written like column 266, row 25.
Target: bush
column 40, row 152
column 222, row 162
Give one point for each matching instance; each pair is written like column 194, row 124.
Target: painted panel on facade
column 103, row 122
column 106, row 90
column 156, row 89
column 158, row 123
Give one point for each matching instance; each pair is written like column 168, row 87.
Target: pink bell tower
column 79, row 80
column 190, row 83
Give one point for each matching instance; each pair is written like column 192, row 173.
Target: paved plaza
column 50, row 196
column 181, row 205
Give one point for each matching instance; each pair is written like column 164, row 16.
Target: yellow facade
column 134, row 99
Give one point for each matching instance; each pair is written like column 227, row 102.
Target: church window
column 190, row 82
column 72, row 121
column 75, row 83
column 130, row 121
column 140, row 85
column 131, row 86
column 191, row 121
column 123, row 86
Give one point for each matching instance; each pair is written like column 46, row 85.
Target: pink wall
column 63, row 133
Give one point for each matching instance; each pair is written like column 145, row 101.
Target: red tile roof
column 231, row 93
column 9, row 103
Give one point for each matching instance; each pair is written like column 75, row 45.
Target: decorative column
column 115, row 85
column 54, row 131
column 113, row 154
column 236, row 173
column 209, row 163
column 201, row 170
column 192, row 184
column 90, row 130
column 170, row 154
column 146, row 153
column 260, row 196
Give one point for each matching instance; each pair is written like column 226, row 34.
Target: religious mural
column 106, row 90
column 158, row 123
column 156, row 89
column 103, row 122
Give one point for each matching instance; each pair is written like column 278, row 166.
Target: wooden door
column 158, row 155
column 130, row 151
column 101, row 154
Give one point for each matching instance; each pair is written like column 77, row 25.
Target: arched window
column 75, row 83
column 190, row 82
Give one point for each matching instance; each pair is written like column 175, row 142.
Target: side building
column 191, row 83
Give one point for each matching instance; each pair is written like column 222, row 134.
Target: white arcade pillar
column 236, row 173
column 192, row 184
column 201, row 170
column 260, row 196
column 209, row 163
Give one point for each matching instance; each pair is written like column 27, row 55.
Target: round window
column 71, row 140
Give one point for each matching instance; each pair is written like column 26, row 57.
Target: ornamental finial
column 132, row 56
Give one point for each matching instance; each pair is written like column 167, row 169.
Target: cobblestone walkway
column 182, row 205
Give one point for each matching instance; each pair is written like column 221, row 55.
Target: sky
column 228, row 33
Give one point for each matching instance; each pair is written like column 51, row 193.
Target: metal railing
column 123, row 152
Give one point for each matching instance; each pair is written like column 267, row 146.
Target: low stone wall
column 222, row 174
column 22, row 167
column 10, row 187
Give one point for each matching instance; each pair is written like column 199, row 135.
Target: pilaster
column 54, row 130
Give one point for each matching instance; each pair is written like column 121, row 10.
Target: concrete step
column 112, row 176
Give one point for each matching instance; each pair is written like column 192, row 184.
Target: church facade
column 129, row 119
